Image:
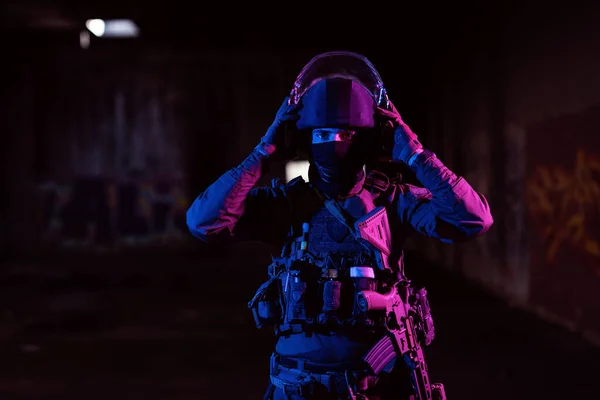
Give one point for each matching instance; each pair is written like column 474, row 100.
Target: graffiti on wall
column 566, row 206
column 102, row 212
column 563, row 217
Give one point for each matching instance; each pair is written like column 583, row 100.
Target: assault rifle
column 408, row 317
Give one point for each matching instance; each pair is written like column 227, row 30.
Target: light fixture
column 96, row 26
column 117, row 28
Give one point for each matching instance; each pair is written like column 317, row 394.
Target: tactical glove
column 272, row 144
column 406, row 143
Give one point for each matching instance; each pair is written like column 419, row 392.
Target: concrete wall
column 108, row 145
column 523, row 113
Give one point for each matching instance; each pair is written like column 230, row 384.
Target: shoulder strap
column 342, row 215
column 336, row 209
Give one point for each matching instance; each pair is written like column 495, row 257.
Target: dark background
column 106, row 295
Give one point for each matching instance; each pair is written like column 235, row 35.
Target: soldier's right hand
column 272, row 143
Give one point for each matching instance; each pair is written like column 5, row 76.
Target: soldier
column 349, row 323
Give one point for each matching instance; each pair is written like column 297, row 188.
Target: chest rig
column 330, row 268
column 333, row 276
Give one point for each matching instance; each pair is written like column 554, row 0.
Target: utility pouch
column 266, row 305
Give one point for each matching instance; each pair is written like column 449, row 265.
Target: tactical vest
column 329, row 279
column 315, row 284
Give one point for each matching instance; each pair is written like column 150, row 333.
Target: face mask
column 337, row 165
column 330, row 159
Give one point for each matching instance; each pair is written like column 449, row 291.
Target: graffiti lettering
column 565, row 206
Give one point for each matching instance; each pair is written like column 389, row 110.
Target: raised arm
column 232, row 208
column 447, row 208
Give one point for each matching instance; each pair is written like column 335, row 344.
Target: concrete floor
column 158, row 326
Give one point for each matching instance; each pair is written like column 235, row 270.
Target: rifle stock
column 374, row 229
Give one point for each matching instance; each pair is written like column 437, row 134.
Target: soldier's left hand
column 406, row 142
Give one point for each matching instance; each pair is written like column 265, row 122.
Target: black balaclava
column 337, row 167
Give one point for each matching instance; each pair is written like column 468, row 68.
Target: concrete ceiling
column 410, row 22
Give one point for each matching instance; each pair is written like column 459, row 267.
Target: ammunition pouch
column 267, row 304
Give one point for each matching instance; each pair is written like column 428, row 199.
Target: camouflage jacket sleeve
column 447, row 207
column 233, row 209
